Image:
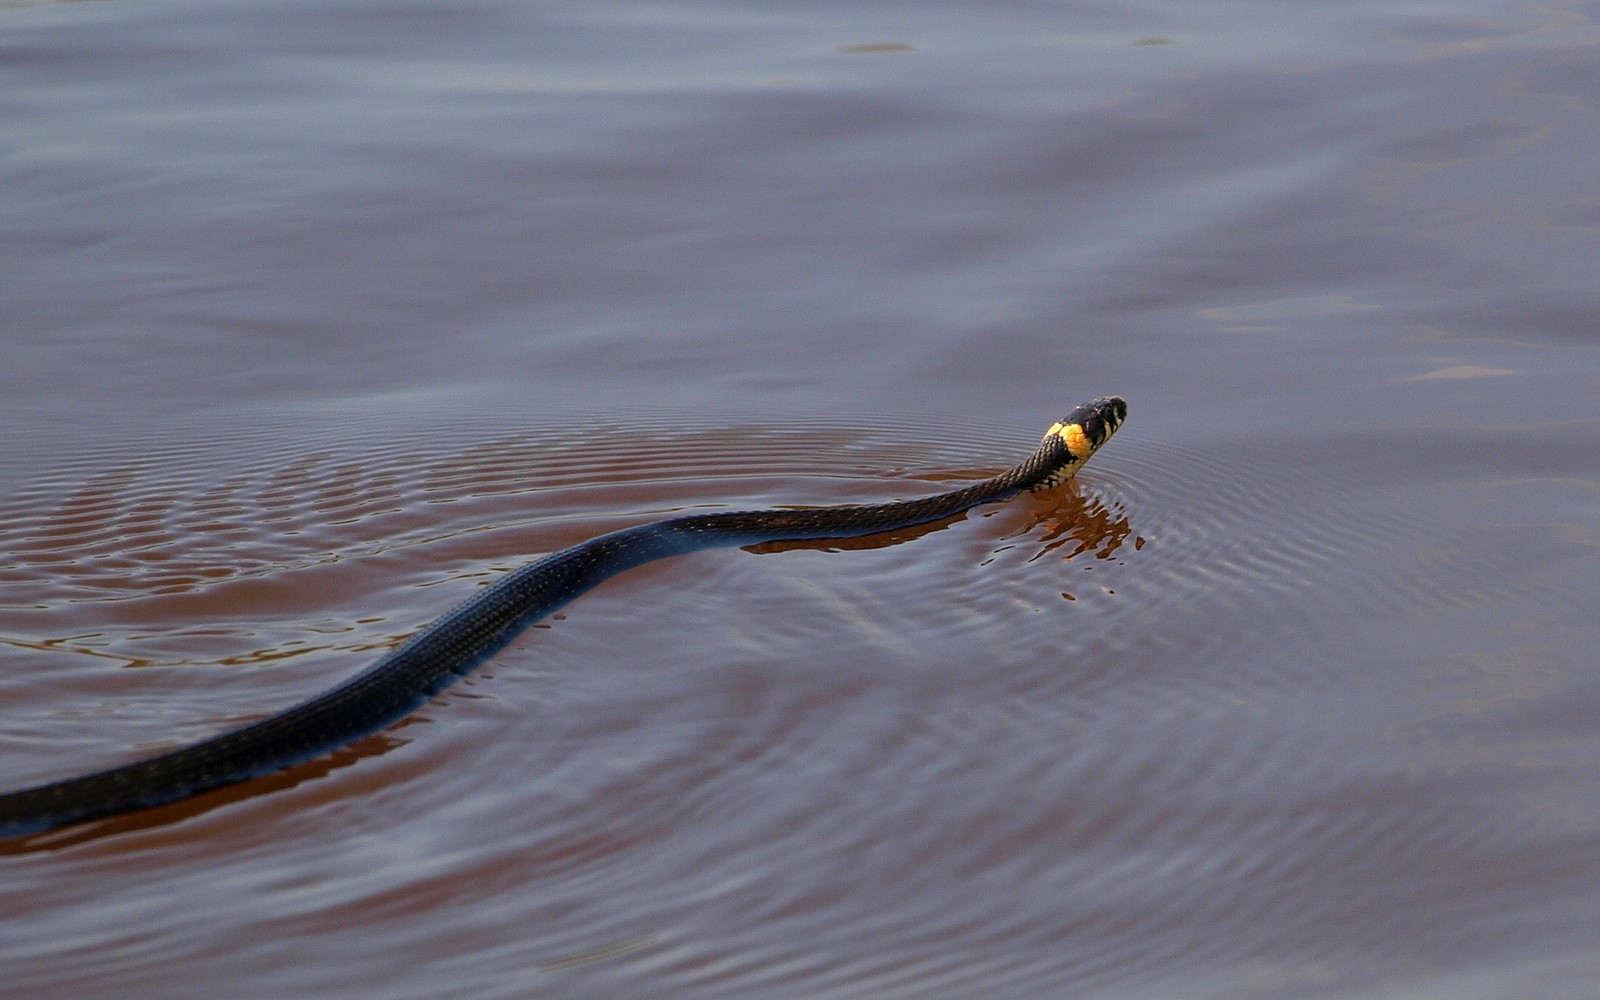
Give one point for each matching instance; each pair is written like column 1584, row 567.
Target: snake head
column 1071, row 440
column 1089, row 426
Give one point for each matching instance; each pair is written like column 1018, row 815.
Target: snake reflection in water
column 451, row 646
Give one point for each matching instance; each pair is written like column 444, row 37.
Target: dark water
column 318, row 315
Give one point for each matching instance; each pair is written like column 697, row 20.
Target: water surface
column 319, row 315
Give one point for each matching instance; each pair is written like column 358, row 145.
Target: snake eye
column 1110, row 412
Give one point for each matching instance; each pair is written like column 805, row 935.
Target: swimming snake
column 454, row 644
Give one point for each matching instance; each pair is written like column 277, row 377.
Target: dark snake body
column 453, row 645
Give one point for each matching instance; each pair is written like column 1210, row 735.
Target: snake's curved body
column 453, row 645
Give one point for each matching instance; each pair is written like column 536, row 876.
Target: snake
column 454, row 644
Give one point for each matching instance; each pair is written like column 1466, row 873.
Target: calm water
column 318, row 315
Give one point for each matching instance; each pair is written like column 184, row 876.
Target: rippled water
column 319, row 315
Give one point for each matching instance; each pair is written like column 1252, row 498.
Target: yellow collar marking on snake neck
column 1075, row 439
